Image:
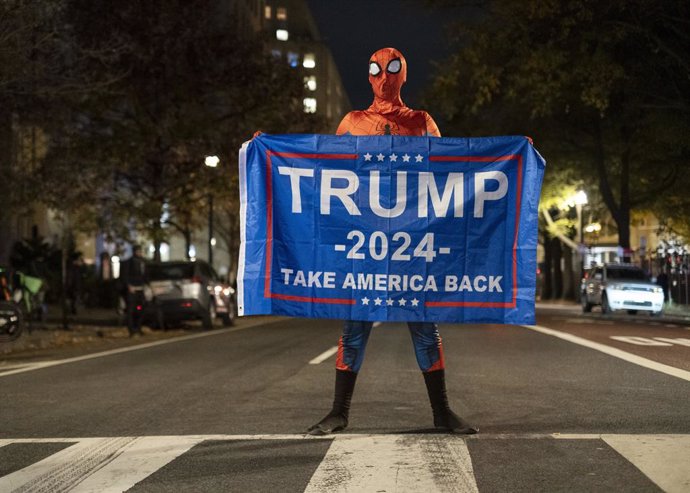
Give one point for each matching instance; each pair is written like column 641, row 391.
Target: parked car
column 621, row 287
column 188, row 291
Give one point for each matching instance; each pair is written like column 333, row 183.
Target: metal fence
column 671, row 272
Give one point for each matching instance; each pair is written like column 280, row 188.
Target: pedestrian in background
column 662, row 281
column 133, row 275
column 74, row 282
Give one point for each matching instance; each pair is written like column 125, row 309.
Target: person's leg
column 351, row 348
column 428, row 349
column 138, row 311
column 131, row 307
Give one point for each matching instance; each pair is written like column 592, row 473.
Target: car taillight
column 187, row 305
column 196, row 279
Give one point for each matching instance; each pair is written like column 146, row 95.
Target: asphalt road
column 585, row 409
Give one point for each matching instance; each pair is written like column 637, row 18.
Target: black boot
column 336, row 420
column 444, row 417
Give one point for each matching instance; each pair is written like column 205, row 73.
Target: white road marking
column 588, row 321
column 663, row 459
column 67, row 467
column 639, row 341
column 395, row 463
column 677, row 341
column 324, row 356
column 139, row 460
column 353, row 462
column 46, row 364
column 616, row 353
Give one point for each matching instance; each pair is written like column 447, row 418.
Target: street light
column 578, row 200
column 211, row 162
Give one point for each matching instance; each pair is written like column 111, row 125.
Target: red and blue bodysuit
column 388, row 115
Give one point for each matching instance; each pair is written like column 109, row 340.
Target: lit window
column 267, row 11
column 293, row 59
column 281, row 34
column 309, row 60
column 281, row 13
column 310, row 105
column 310, row 83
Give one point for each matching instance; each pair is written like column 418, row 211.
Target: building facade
column 294, row 39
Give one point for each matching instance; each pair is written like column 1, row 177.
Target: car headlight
column 615, row 287
column 658, row 289
column 227, row 291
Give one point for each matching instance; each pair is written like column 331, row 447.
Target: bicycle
column 11, row 318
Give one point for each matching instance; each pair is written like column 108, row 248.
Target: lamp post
column 211, row 162
column 578, row 200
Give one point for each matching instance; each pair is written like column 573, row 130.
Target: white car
column 621, row 287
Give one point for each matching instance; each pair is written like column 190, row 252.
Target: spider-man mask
column 387, row 73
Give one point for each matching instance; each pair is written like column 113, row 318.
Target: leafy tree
column 601, row 86
column 191, row 87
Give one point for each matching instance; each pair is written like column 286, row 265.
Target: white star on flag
column 377, row 301
column 419, row 158
column 393, row 157
column 389, row 302
column 406, row 158
column 415, row 302
column 380, row 156
column 402, row 302
column 365, row 301
column 367, row 157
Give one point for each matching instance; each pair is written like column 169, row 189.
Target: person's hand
column 257, row 133
column 529, row 139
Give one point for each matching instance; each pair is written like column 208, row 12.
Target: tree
column 191, row 88
column 601, row 86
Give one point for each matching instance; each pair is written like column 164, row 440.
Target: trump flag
column 389, row 228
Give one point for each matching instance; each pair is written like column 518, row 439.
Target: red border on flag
column 346, row 301
column 518, row 202
column 269, row 229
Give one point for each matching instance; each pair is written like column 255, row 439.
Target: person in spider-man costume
column 388, row 115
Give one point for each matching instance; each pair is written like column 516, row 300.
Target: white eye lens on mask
column 374, row 68
column 394, row 66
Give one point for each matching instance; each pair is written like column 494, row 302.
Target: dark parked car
column 188, row 291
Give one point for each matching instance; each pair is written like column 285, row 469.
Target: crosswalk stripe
column 62, row 470
column 137, row 461
column 395, row 463
column 663, row 459
column 407, row 462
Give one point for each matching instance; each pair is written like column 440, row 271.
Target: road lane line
column 663, row 459
column 616, row 353
column 139, row 460
column 395, row 463
column 47, row 364
column 324, row 356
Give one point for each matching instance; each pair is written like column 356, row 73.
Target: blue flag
column 389, row 228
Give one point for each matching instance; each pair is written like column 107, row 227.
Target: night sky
column 355, row 29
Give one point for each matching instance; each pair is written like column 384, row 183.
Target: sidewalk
column 678, row 314
column 90, row 329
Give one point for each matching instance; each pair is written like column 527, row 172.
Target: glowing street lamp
column 212, row 161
